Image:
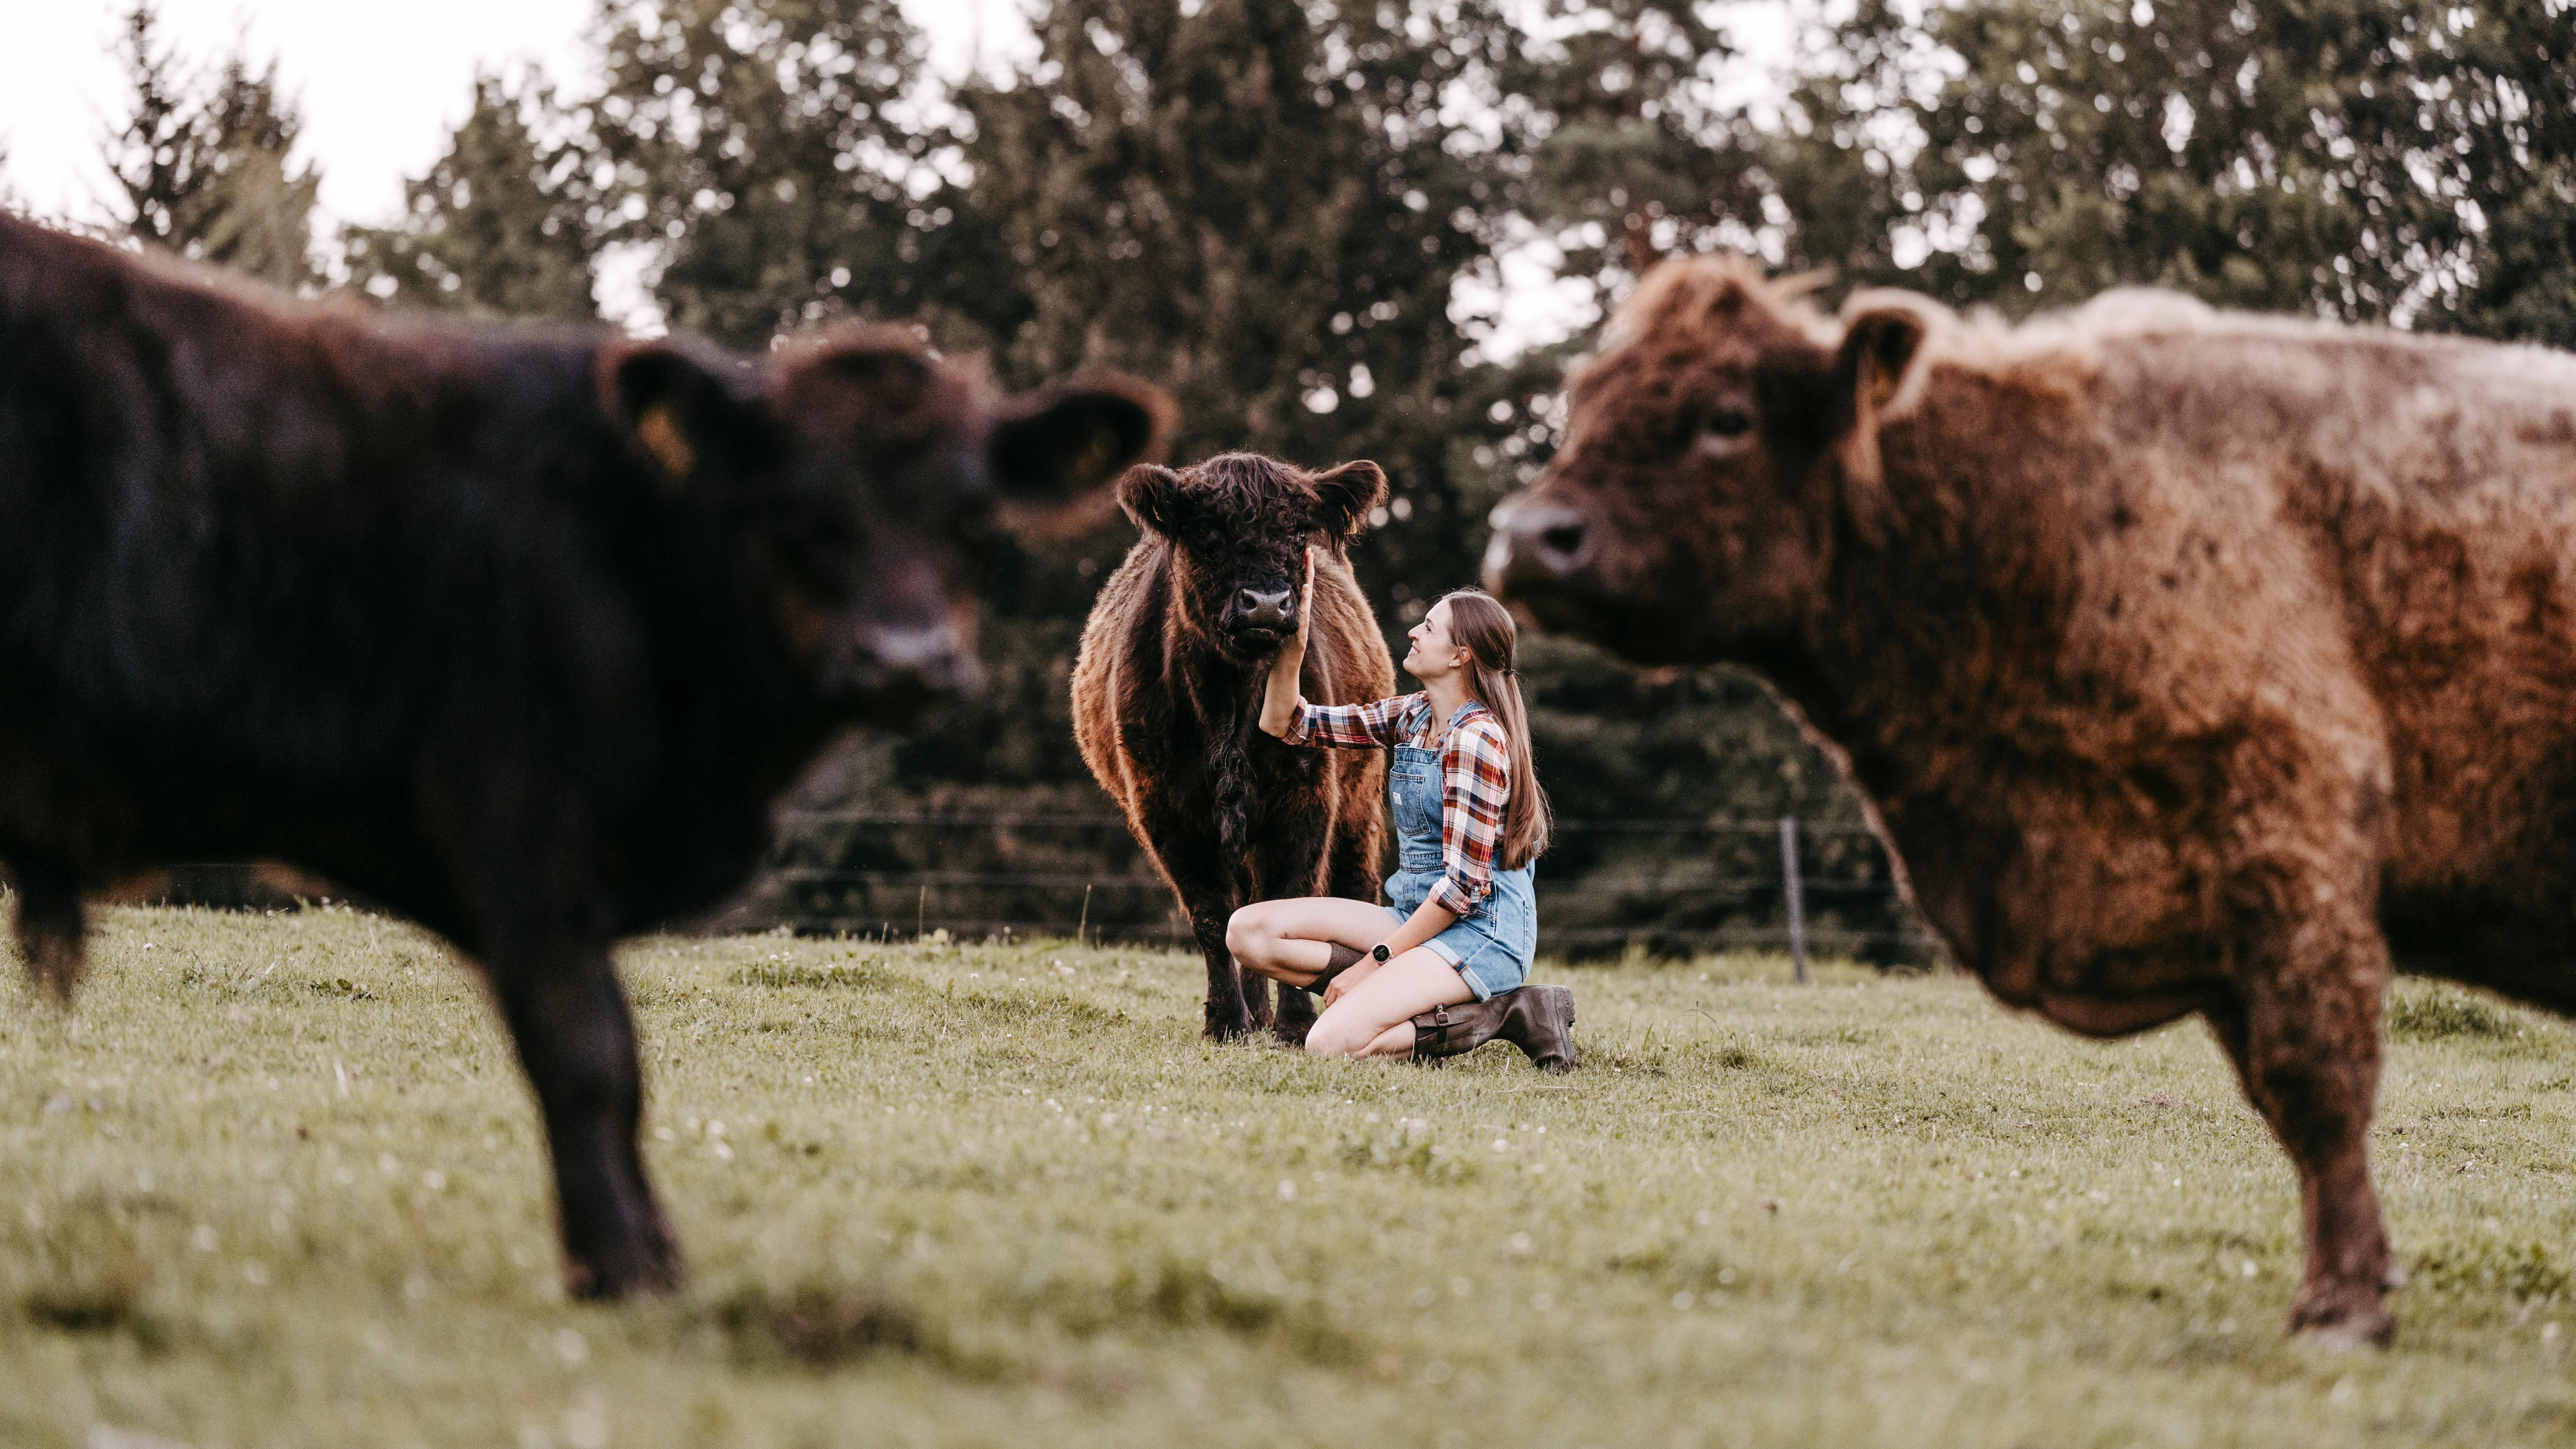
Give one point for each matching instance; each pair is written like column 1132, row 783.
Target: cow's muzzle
column 1261, row 619
column 894, row 670
column 1538, row 548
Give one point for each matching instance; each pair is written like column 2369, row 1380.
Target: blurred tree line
column 1297, row 216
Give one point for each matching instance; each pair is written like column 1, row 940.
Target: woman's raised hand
column 1306, row 601
column 1279, row 695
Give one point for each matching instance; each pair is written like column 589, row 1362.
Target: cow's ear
column 1349, row 493
column 1054, row 446
column 1154, row 497
column 1877, row 371
column 680, row 412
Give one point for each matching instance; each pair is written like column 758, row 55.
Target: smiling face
column 862, row 479
column 1434, row 655
column 1692, row 509
column 1238, row 526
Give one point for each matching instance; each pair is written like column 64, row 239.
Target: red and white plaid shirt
column 1475, row 778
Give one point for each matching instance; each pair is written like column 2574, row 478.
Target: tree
column 2412, row 163
column 501, row 225
column 768, row 151
column 208, row 175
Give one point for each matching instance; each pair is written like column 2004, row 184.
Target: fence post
column 1797, row 906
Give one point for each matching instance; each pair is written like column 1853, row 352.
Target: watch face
column 1379, row 953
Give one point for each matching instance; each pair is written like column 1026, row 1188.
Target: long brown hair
column 1484, row 629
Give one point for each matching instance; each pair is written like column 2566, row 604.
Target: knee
column 1331, row 1038
column 1244, row 937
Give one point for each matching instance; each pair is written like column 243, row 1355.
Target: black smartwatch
column 1379, row 953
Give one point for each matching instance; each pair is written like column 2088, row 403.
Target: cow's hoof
column 647, row 1269
column 2342, row 1319
column 1233, row 1028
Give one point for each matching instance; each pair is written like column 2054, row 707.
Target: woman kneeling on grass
column 1460, row 925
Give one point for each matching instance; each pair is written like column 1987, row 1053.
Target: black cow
column 516, row 632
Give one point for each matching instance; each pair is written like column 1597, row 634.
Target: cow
column 1167, row 701
column 2189, row 662
column 513, row 632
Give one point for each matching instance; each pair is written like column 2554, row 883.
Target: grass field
column 276, row 1182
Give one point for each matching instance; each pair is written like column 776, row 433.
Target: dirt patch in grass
column 820, row 1327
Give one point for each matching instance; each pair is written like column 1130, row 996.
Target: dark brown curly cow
column 1167, row 701
column 2191, row 663
column 515, row 632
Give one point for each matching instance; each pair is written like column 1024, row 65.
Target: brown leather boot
column 1344, row 958
column 1538, row 1019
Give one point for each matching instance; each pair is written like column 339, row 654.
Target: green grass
column 276, row 1182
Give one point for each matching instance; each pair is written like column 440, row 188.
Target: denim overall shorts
column 1492, row 948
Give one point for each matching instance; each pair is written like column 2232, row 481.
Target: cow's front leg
column 541, row 927
column 51, row 927
column 1229, row 1012
column 2304, row 1035
column 568, row 1017
column 1292, row 864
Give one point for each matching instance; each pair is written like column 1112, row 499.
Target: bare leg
column 1293, row 940
column 1375, row 1017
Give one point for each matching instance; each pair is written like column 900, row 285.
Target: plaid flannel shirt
column 1475, row 778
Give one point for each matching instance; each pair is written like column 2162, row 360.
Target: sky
column 380, row 89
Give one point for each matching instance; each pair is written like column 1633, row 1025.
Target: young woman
column 1439, row 969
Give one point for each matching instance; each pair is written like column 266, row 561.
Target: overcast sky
column 381, row 85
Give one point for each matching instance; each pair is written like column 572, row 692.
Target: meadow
column 276, row 1182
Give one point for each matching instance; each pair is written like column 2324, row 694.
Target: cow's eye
column 1727, row 424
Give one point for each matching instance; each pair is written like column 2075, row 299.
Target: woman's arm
column 1281, row 704
column 1475, row 786
column 1286, row 715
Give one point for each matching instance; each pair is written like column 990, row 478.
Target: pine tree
column 501, row 225
column 208, row 175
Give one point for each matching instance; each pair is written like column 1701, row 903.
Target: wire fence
column 1605, row 886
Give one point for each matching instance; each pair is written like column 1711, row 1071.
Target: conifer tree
column 501, row 225
column 205, row 168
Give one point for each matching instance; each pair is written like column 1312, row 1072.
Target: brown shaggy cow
column 1167, row 701
column 516, row 632
column 2192, row 663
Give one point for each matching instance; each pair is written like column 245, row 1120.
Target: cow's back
column 2423, row 492
column 2359, row 543
column 255, row 556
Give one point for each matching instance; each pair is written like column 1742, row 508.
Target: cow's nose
column 932, row 658
column 1536, row 543
column 1264, row 610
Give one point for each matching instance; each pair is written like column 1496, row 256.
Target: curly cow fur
column 2191, row 662
column 1167, row 701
